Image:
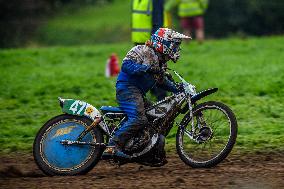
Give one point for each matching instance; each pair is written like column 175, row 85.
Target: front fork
column 83, row 134
column 89, row 128
column 192, row 134
column 191, row 115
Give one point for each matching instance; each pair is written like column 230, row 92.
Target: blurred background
column 52, row 48
column 74, row 22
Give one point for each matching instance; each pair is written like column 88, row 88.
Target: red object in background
column 112, row 67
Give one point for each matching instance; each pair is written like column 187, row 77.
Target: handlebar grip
column 169, row 76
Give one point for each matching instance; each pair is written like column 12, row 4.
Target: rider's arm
column 130, row 67
column 168, row 85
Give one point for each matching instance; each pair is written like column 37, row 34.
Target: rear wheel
column 55, row 158
column 214, row 137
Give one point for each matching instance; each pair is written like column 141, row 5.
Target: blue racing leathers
column 133, row 82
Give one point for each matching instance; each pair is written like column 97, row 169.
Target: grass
column 93, row 24
column 248, row 73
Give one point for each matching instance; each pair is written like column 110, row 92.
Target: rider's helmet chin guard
column 167, row 42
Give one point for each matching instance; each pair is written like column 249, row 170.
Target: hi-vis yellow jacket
column 142, row 20
column 188, row 8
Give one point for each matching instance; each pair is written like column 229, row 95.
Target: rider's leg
column 131, row 102
column 198, row 24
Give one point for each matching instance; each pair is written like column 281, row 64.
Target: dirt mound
column 237, row 171
column 18, row 165
column 11, row 171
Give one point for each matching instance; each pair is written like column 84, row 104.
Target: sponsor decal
column 89, row 110
column 63, row 131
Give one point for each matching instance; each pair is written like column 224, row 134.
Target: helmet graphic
column 167, row 42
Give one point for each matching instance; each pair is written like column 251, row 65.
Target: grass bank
column 93, row 24
column 249, row 74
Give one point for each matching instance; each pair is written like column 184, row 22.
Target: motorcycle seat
column 110, row 109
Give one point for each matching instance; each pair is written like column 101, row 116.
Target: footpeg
column 75, row 142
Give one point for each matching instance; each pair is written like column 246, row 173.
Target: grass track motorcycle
column 73, row 143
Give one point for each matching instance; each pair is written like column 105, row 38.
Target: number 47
column 74, row 107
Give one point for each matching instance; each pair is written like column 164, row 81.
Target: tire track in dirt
column 237, row 171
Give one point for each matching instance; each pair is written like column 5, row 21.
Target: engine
column 138, row 142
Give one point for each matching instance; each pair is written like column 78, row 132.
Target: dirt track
column 238, row 171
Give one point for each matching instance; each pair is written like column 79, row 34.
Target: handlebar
column 189, row 88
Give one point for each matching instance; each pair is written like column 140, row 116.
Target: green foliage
column 74, row 22
column 248, row 73
column 87, row 25
column 17, row 20
column 111, row 22
column 20, row 19
column 253, row 17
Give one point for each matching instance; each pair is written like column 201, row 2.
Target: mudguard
column 199, row 96
column 78, row 107
column 202, row 94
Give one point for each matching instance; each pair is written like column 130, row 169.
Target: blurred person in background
column 147, row 17
column 191, row 14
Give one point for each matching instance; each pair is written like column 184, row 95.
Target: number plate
column 78, row 107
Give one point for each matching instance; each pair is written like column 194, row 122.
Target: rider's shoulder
column 141, row 49
column 138, row 48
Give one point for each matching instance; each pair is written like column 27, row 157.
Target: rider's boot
column 112, row 150
column 108, row 153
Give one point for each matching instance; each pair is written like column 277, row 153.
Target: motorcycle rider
column 142, row 68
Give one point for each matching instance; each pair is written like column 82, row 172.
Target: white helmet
column 167, row 42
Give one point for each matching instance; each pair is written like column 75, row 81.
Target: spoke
column 203, row 147
column 217, row 141
column 216, row 133
column 217, row 145
column 187, row 133
column 217, row 121
column 192, row 147
column 220, row 121
column 196, row 146
column 210, row 147
column 214, row 120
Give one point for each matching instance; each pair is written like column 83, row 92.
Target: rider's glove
column 180, row 87
column 155, row 69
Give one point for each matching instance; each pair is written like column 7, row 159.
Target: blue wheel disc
column 66, row 157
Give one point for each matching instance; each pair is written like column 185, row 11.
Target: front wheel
column 214, row 135
column 55, row 158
